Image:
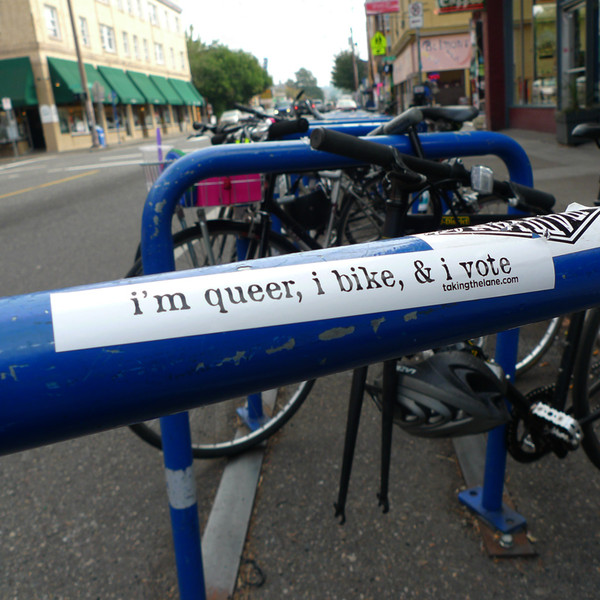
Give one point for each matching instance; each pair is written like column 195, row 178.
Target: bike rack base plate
column 505, row 520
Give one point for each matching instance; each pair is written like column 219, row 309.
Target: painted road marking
column 48, row 184
column 123, row 163
column 22, row 162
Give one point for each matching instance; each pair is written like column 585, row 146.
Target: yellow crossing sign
column 378, row 44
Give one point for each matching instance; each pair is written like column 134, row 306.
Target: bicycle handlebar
column 389, row 158
column 253, row 111
column 282, row 128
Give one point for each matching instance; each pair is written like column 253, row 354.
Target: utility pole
column 84, row 84
column 354, row 65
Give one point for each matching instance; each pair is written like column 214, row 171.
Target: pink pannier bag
column 231, row 189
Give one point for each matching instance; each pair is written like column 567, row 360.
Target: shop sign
column 446, row 52
column 452, row 6
column 381, row 7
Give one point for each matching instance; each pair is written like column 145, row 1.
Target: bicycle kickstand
column 355, row 402
column 390, row 384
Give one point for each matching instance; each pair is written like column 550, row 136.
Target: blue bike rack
column 51, row 395
column 157, row 250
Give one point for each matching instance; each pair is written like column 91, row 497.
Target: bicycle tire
column 217, row 429
column 535, row 340
column 361, row 218
column 586, row 385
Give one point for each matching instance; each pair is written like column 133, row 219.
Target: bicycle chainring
column 542, row 429
column 523, row 444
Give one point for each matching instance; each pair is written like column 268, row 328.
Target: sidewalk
column 428, row 545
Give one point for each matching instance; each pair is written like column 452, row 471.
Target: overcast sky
column 290, row 34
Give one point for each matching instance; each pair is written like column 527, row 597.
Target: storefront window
column 573, row 55
column 12, row 127
column 72, row 119
column 148, row 117
column 114, row 114
column 534, row 52
column 139, row 114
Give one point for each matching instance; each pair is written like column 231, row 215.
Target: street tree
column 307, row 82
column 342, row 75
column 225, row 76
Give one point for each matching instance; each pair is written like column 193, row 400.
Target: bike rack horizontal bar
column 61, row 376
column 281, row 157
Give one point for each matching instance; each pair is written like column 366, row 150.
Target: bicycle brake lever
column 410, row 179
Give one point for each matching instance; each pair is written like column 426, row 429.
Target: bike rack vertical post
column 183, row 507
column 179, row 471
column 486, row 500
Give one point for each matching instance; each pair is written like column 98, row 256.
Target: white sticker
column 458, row 268
column 181, row 488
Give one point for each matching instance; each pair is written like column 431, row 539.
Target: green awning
column 66, row 81
column 167, row 90
column 17, row 82
column 127, row 92
column 148, row 89
column 197, row 94
column 186, row 90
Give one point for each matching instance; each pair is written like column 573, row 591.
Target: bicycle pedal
column 559, row 424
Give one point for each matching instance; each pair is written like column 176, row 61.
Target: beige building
column 135, row 62
column 440, row 52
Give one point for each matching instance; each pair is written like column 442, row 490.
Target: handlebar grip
column 349, row 146
column 530, row 196
column 281, row 128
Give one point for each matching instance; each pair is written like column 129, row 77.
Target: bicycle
column 363, row 214
column 245, row 232
column 309, row 219
column 456, row 390
column 303, row 218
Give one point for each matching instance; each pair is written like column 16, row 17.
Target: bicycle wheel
column 361, row 218
column 233, row 426
column 535, row 340
column 586, row 385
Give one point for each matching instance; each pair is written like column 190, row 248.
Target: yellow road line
column 43, row 185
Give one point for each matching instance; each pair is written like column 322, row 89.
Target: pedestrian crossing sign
column 378, row 44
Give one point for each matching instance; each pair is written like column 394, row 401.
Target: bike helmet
column 451, row 393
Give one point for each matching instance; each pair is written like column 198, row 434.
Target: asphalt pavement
column 89, row 519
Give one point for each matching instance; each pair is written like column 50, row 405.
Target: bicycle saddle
column 458, row 114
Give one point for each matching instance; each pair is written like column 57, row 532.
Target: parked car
column 230, row 117
column 283, row 108
column 345, row 104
